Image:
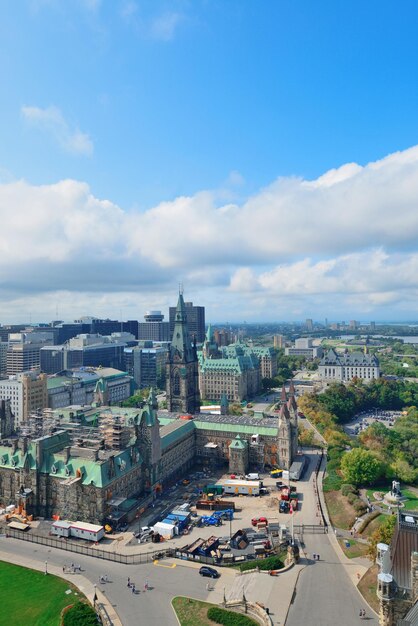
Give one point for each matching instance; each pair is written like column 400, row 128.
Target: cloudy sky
column 265, row 158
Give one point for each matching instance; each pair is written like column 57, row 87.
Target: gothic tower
column 182, row 367
column 284, row 442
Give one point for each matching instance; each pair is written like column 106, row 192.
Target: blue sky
column 200, row 118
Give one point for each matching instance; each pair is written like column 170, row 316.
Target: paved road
column 154, row 605
column 325, row 595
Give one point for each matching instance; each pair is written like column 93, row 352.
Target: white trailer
column 83, row 530
column 241, row 487
column 165, row 530
column 297, row 467
column 61, row 528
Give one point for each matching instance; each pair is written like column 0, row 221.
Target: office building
column 195, row 321
column 147, row 364
column 78, row 386
column 304, row 347
column 278, row 342
column 154, row 328
column 24, row 351
column 3, row 358
column 27, row 392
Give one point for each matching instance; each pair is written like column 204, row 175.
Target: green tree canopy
column 361, row 467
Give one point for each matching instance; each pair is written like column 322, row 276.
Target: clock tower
column 182, row 367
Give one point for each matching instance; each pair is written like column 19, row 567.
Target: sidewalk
column 78, row 580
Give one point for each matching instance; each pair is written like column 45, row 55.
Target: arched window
column 176, row 384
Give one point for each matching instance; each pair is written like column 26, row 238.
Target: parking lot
column 364, row 419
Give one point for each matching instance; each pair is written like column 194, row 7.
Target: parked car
column 210, row 572
column 259, row 520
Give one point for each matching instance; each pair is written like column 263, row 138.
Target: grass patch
column 192, row 612
column 355, row 549
column 367, row 587
column 341, row 512
column 37, row 599
column 411, row 503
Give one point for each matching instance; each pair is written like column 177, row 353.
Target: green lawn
column 32, row 599
column 192, row 612
column 411, row 502
column 355, row 549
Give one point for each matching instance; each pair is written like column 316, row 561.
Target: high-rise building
column 309, row 324
column 195, row 321
column 24, row 351
column 278, row 341
column 3, row 358
column 27, row 392
column 147, row 365
column 154, row 328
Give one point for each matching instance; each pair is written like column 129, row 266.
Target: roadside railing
column 71, row 546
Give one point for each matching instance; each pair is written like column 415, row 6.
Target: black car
column 209, row 571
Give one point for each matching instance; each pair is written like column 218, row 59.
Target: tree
column 383, row 534
column 361, row 467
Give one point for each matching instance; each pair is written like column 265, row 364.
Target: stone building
column 348, row 365
column 102, row 463
column 182, row 366
column 397, row 580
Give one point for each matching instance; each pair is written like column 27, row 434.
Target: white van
column 252, row 477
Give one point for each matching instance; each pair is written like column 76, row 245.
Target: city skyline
column 268, row 160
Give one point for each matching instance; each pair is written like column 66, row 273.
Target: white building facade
column 346, row 366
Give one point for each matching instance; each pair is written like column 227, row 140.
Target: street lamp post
column 46, row 568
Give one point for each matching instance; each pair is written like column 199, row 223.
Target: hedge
column 271, row 562
column 80, row 614
column 346, row 488
column 367, row 521
column 229, row 618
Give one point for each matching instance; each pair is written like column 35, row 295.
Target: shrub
column 359, row 506
column 352, row 497
column 367, row 521
column 271, row 562
column 229, row 618
column 80, row 614
column 346, row 488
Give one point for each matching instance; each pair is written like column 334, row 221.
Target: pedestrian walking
column 317, row 557
column 133, row 588
column 106, row 578
column 63, row 569
column 129, row 582
column 314, row 556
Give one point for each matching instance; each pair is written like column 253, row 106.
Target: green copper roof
column 237, row 443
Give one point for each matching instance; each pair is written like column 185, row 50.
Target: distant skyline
column 265, row 158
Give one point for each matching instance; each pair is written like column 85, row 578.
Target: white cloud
column 347, row 241
column 51, row 120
